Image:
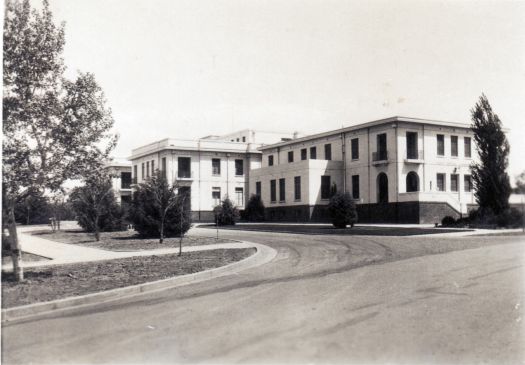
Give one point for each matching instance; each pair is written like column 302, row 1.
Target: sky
column 186, row 69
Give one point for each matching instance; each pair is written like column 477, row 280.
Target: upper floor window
column 184, row 167
column 355, row 148
column 147, row 168
column 304, row 154
column 381, row 147
column 244, row 139
column 355, row 186
column 163, row 164
column 135, row 168
column 313, row 153
column 125, row 180
column 325, row 187
column 440, row 144
column 152, row 167
column 412, row 145
column 454, row 146
column 216, row 166
column 270, row 160
column 143, row 171
column 239, row 167
column 328, row 151
column 440, row 182
column 290, row 156
column 468, row 150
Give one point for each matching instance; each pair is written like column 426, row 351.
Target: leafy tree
column 95, row 205
column 226, row 214
column 342, row 210
column 33, row 209
column 255, row 208
column 520, row 184
column 489, row 175
column 159, row 209
column 54, row 129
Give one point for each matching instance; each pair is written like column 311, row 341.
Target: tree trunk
column 161, row 240
column 16, row 251
column 97, row 230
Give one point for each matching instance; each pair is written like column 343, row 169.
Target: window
column 216, row 195
column 327, row 151
column 135, row 168
column 313, row 153
column 467, row 182
column 258, row 190
column 143, row 175
column 412, row 182
column 303, row 154
column 216, row 166
column 412, row 145
column 164, row 174
column 239, row 167
column 244, row 139
column 282, row 191
column 297, row 187
column 290, row 156
column 454, row 146
column 355, row 148
column 454, row 182
column 381, row 147
column 440, row 182
column 184, row 167
column 355, row 186
column 152, row 167
column 270, row 160
column 239, row 197
column 125, row 180
column 147, row 169
column 440, row 145
column 325, row 187
column 468, row 151
column 273, row 193
column 237, row 139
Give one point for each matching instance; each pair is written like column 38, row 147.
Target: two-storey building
column 397, row 170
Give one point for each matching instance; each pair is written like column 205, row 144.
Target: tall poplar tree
column 54, row 129
column 491, row 181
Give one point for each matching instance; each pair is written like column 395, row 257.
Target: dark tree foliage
column 491, row 182
column 33, row 209
column 255, row 209
column 156, row 209
column 342, row 210
column 95, row 206
column 520, row 184
column 226, row 214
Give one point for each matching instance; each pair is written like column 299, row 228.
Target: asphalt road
column 323, row 299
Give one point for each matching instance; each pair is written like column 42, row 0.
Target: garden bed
column 123, row 240
column 49, row 283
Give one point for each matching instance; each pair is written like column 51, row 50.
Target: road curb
column 263, row 254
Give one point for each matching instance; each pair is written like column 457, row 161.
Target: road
column 323, row 299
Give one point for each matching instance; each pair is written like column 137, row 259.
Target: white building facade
column 121, row 179
column 397, row 170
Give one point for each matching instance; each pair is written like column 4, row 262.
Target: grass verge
column 49, row 283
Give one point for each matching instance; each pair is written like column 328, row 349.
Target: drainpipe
column 368, row 163
column 199, row 183
column 343, row 150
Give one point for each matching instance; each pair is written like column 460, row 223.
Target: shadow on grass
column 9, row 277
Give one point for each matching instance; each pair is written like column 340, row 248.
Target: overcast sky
column 186, row 69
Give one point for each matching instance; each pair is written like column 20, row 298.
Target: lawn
column 321, row 230
column 122, row 241
column 26, row 257
column 49, row 283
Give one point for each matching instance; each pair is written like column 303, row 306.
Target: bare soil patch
column 49, row 283
column 123, row 241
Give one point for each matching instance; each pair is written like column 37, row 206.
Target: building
column 208, row 169
column 397, row 170
column 120, row 172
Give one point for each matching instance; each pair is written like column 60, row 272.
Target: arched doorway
column 382, row 188
column 412, row 182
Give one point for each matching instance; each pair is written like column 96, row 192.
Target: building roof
column 367, row 125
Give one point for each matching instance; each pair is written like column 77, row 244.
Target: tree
column 54, row 129
column 226, row 214
column 342, row 210
column 95, row 205
column 491, row 182
column 255, row 208
column 159, row 209
column 520, row 184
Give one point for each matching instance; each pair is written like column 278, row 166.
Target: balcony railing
column 415, row 155
column 184, row 174
column 379, row 156
column 125, row 184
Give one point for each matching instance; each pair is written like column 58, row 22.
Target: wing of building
column 397, row 169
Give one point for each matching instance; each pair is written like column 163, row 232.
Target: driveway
column 323, row 299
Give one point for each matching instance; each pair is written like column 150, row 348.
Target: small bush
column 255, row 209
column 226, row 214
column 342, row 210
column 448, row 221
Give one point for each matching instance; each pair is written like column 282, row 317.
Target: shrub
column 255, row 209
column 226, row 213
column 157, row 211
column 342, row 210
column 448, row 221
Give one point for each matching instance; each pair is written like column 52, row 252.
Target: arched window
column 412, row 182
column 382, row 188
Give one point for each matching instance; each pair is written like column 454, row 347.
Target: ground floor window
column 273, row 191
column 216, row 195
column 325, row 187
column 467, row 181
column 412, row 182
column 258, row 188
column 297, row 187
column 282, row 190
column 355, row 186
column 239, row 197
column 454, row 182
column 440, row 182
column 382, row 188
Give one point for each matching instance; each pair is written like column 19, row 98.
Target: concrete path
column 63, row 253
